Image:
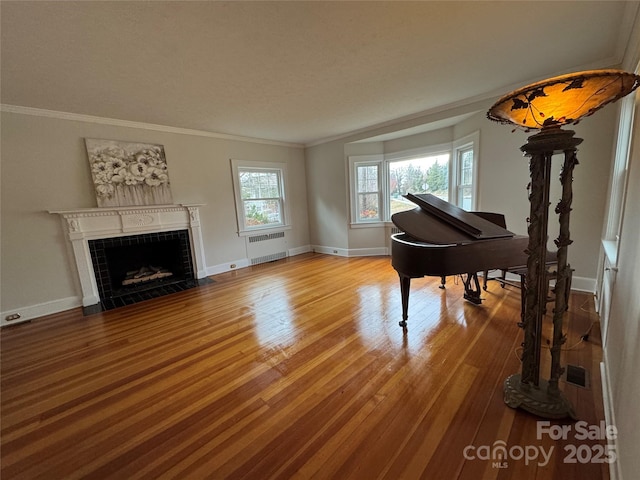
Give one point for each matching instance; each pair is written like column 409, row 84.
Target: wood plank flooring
column 295, row 369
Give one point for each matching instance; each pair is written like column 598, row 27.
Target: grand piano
column 440, row 239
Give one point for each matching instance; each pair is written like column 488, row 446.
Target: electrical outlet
column 13, row 316
column 233, row 265
column 335, row 251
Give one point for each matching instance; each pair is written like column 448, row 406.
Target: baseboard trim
column 351, row 252
column 341, row 252
column 609, row 415
column 228, row 266
column 369, row 252
column 245, row 262
column 299, row 250
column 583, row 284
column 578, row 284
column 40, row 310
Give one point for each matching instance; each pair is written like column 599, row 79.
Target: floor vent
column 268, row 258
column 576, row 376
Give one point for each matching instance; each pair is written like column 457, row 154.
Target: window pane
column 418, row 175
column 368, row 206
column 466, row 167
column 367, row 178
column 466, row 199
column 262, row 212
column 259, row 184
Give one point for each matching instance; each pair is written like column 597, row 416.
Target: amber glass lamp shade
column 563, row 100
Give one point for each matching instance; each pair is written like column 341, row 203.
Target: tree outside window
column 429, row 174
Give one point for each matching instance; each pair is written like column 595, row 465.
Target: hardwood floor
column 295, row 369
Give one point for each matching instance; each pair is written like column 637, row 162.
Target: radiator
column 391, row 230
column 266, row 247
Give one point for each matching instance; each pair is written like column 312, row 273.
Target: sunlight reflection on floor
column 430, row 309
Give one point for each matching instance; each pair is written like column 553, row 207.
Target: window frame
column 280, row 169
column 366, row 161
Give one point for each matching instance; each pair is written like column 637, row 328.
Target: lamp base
column 536, row 399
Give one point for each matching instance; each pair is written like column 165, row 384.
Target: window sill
column 370, row 225
column 264, row 231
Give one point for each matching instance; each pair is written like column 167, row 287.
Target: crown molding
column 41, row 112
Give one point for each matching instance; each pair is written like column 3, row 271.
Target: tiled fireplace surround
column 85, row 225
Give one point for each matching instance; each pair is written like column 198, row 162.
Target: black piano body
column 440, row 239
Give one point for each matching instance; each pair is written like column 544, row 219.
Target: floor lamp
column 547, row 106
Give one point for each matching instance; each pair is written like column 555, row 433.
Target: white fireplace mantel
column 82, row 225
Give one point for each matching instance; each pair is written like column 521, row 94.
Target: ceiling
column 294, row 71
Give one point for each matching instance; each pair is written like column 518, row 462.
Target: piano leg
column 443, row 280
column 472, row 291
column 405, row 287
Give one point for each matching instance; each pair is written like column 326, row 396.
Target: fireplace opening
column 134, row 268
column 145, row 274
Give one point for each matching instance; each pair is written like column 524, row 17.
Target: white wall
column 45, row 167
column 327, row 191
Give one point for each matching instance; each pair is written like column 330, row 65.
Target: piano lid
column 439, row 222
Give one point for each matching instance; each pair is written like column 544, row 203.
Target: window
column 367, row 205
column 465, row 151
column 422, row 174
column 259, row 189
column 378, row 182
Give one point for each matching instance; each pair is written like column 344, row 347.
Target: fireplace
column 140, row 267
column 158, row 248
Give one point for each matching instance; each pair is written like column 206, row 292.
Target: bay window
column 379, row 182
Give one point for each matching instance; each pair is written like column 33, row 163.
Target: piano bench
column 552, row 274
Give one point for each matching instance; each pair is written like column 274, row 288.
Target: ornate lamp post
column 547, row 106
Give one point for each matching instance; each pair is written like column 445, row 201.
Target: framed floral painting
column 128, row 174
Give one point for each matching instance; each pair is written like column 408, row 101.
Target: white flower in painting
column 116, row 164
column 120, row 175
column 105, row 190
column 155, row 177
column 114, row 151
column 100, row 178
column 130, row 179
column 102, row 168
column 115, row 169
column 149, row 157
column 138, row 170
